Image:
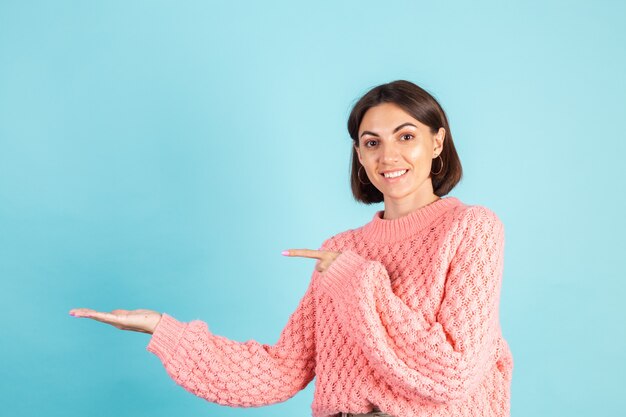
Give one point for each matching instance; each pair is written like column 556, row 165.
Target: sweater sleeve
column 442, row 361
column 247, row 374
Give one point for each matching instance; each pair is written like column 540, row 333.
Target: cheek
column 418, row 155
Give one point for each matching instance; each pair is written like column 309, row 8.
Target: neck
column 397, row 209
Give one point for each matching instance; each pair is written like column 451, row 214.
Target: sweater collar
column 385, row 230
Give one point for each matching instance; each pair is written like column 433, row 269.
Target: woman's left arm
column 442, row 361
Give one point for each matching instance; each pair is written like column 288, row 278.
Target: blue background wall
column 162, row 154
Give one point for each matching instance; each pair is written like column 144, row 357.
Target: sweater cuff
column 336, row 279
column 166, row 337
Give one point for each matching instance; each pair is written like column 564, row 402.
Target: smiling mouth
column 395, row 174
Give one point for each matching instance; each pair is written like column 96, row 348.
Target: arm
column 239, row 374
column 443, row 361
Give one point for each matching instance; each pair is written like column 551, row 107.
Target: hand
column 325, row 257
column 144, row 321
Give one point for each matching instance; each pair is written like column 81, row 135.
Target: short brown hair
column 423, row 107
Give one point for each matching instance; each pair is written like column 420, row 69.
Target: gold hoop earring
column 358, row 174
column 440, row 168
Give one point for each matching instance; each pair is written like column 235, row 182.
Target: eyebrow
column 367, row 132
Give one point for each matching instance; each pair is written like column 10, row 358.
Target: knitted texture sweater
column 406, row 319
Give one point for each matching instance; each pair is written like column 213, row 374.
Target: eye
column 407, row 136
column 367, row 142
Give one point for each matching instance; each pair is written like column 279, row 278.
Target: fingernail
column 285, row 252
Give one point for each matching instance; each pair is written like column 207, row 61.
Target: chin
column 396, row 196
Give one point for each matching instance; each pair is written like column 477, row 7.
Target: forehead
column 386, row 117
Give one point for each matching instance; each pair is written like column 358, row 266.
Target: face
column 393, row 142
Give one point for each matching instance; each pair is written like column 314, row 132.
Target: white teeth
column 394, row 174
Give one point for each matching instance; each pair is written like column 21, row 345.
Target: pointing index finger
column 306, row 253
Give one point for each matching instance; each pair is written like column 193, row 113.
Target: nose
column 389, row 153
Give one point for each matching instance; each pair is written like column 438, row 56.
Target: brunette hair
column 421, row 106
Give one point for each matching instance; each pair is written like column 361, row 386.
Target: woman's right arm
column 238, row 374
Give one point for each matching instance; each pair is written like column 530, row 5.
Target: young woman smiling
column 401, row 314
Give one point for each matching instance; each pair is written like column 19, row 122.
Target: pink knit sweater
column 406, row 319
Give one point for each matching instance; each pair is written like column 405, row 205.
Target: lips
column 394, row 174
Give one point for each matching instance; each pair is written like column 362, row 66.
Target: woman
column 401, row 315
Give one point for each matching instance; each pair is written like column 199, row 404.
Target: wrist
column 156, row 323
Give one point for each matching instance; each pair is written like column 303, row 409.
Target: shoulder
column 474, row 213
column 479, row 223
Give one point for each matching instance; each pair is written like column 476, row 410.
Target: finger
column 305, row 253
column 81, row 312
column 88, row 312
column 106, row 318
column 96, row 315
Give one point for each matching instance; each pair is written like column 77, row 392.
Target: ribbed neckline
column 385, row 230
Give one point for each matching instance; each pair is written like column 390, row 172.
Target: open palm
column 141, row 320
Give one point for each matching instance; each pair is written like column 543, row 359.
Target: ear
column 439, row 139
column 358, row 153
